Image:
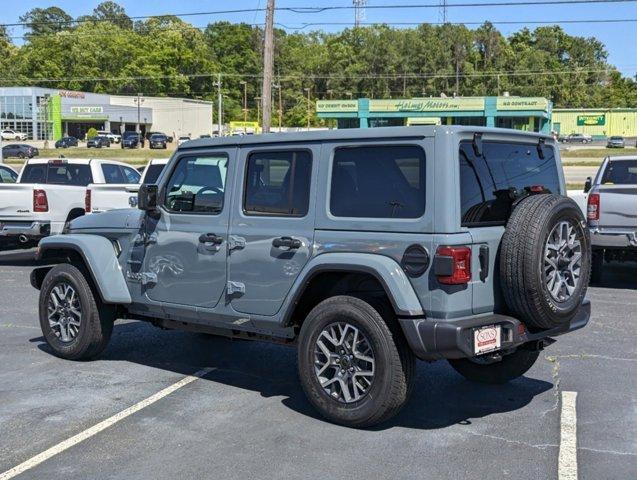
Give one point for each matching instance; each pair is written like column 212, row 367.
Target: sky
column 615, row 36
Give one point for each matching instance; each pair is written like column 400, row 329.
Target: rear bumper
column 31, row 230
column 613, row 238
column 434, row 340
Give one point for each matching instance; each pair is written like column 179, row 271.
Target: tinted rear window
column 378, row 182
column 57, row 174
column 620, row 172
column 152, row 173
column 486, row 181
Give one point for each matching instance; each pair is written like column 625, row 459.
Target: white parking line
column 103, row 425
column 567, row 460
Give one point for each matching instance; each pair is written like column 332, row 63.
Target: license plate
column 486, row 339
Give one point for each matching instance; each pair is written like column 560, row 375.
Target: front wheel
column 355, row 369
column 75, row 323
column 509, row 368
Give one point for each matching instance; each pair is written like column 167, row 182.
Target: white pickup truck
column 612, row 212
column 48, row 193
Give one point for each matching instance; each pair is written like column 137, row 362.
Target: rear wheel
column 509, row 368
column 74, row 322
column 354, row 368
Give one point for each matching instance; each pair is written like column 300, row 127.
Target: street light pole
column 219, row 104
column 280, row 109
column 139, row 100
column 258, row 102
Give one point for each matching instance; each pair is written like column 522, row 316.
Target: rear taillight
column 592, row 210
column 453, row 265
column 87, row 201
column 40, row 202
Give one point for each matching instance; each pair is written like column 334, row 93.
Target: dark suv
column 158, row 140
column 365, row 249
column 132, row 140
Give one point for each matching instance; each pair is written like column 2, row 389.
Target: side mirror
column 588, row 184
column 147, row 197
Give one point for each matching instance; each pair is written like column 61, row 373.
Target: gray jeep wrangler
column 366, row 249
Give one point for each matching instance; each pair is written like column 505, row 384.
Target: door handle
column 289, row 242
column 210, row 238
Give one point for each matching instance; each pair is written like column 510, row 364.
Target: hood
column 123, row 219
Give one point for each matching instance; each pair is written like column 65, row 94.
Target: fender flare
column 100, row 259
column 385, row 269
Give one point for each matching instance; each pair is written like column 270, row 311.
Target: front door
column 272, row 225
column 185, row 260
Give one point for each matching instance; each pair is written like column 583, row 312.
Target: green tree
column 45, row 21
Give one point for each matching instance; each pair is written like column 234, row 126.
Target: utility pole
column 219, row 104
column 309, row 106
column 139, row 100
column 245, row 102
column 268, row 64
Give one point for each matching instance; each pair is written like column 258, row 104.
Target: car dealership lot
column 248, row 418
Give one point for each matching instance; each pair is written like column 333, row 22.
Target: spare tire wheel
column 545, row 260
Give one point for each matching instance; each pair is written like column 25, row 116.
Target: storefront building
column 522, row 113
column 49, row 114
column 599, row 123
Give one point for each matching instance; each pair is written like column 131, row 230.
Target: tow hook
column 539, row 345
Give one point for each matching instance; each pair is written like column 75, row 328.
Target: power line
column 71, row 34
column 285, row 77
column 313, row 10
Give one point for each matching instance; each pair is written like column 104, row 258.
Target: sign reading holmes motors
column 427, row 105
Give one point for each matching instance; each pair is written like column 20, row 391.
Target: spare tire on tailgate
column 545, row 260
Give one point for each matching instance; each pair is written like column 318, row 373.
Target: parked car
column 50, row 192
column 12, row 135
column 577, row 138
column 611, row 208
column 132, row 140
column 615, row 142
column 338, row 242
column 7, row 174
column 169, row 138
column 19, row 150
column 66, row 142
column 113, row 137
column 183, row 139
column 98, row 142
column 158, row 140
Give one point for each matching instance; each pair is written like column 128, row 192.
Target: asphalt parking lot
column 247, row 416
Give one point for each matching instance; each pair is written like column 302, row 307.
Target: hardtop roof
column 352, row 134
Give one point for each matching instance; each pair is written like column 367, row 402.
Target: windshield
column 63, row 174
column 620, row 172
column 130, row 135
column 158, row 137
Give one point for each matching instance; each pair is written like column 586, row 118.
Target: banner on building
column 591, row 120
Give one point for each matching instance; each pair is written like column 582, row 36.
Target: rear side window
column 487, row 181
column 620, row 172
column 278, row 183
column 112, row 173
column 131, row 175
column 152, row 173
column 7, row 176
column 378, row 182
column 58, row 174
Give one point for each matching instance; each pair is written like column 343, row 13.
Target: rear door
column 272, row 225
column 486, row 182
column 618, row 195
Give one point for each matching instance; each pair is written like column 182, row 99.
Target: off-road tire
column 394, row 369
column 97, row 320
column 597, row 266
column 509, row 368
column 522, row 260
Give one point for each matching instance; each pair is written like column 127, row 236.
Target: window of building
column 378, row 182
column 197, row 185
column 486, row 181
column 278, row 183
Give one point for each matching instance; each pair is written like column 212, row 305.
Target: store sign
column 522, row 103
column 591, row 120
column 324, row 106
column 87, row 109
column 427, row 105
column 71, row 94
